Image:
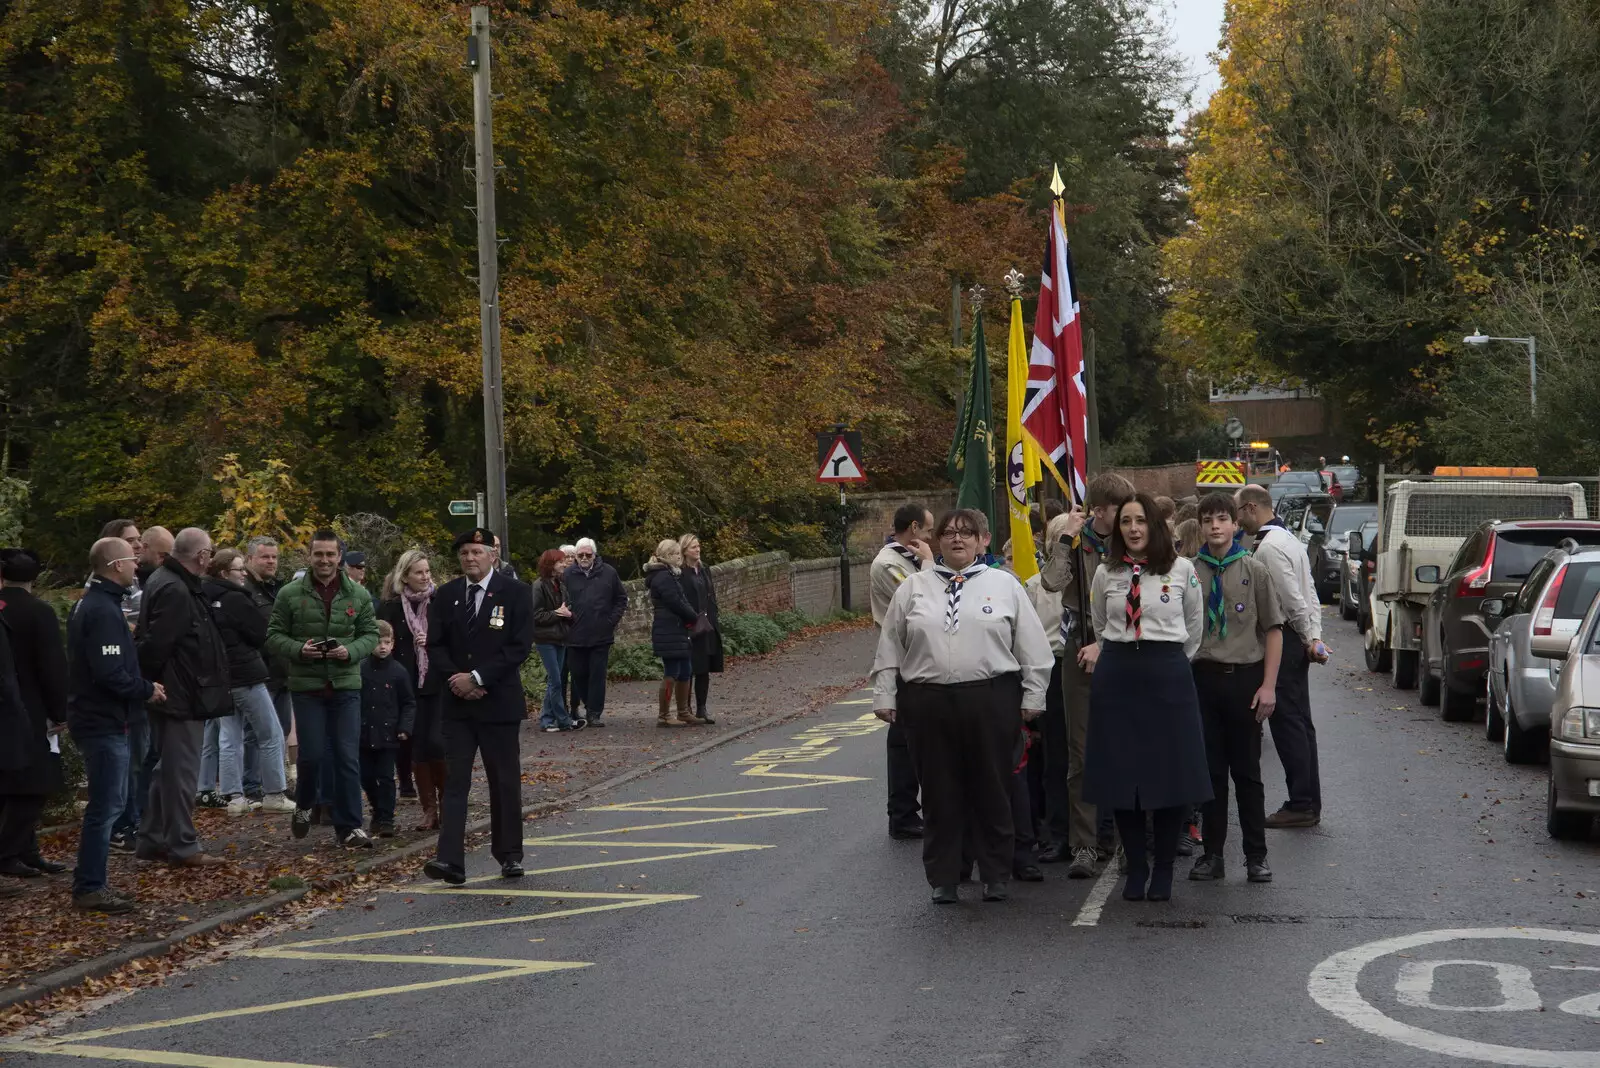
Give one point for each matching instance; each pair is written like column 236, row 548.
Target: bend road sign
column 839, row 457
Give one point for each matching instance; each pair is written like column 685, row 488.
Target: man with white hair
column 181, row 648
column 598, row 601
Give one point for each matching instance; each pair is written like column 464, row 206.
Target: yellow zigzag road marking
column 814, row 746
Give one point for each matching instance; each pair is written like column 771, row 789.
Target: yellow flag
column 1022, row 461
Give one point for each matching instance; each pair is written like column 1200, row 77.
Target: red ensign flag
column 1056, row 411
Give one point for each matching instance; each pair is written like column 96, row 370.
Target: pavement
column 746, row 908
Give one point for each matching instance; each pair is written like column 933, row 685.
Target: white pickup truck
column 1424, row 521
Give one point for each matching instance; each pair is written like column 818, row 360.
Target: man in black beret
column 480, row 630
column 34, row 691
column 355, row 565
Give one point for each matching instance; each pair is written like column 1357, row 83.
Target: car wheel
column 1455, row 706
column 1347, row 605
column 1493, row 726
column 1521, row 746
column 1377, row 656
column 1403, row 670
column 1561, row 823
column 1427, row 685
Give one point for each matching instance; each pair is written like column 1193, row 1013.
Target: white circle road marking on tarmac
column 1333, row 986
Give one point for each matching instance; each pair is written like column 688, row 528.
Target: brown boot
column 681, row 690
column 423, row 773
column 664, row 701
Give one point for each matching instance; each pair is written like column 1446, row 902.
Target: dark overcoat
column 701, row 592
column 669, row 628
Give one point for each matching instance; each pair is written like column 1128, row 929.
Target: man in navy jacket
column 480, row 630
column 105, row 690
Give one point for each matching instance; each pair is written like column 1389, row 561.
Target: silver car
column 1520, row 684
column 1572, row 798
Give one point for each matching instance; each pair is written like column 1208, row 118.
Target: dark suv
column 1492, row 563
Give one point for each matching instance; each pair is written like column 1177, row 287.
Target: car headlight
column 1580, row 725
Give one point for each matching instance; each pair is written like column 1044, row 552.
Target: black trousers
column 1233, row 748
column 588, row 666
column 1293, row 733
column 903, row 782
column 502, row 766
column 1055, row 761
column 377, row 781
column 19, row 818
column 962, row 738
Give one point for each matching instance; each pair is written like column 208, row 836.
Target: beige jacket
column 1066, row 566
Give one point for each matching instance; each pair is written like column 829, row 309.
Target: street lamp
column 1477, row 337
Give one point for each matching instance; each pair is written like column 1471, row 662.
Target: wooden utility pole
column 494, row 412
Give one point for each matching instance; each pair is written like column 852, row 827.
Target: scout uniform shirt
column 1250, row 605
column 1069, row 569
column 1171, row 606
column 892, row 566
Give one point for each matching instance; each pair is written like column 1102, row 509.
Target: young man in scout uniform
column 1236, row 676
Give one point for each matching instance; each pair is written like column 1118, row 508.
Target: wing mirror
column 1493, row 606
column 1428, row 573
column 1552, row 646
column 1353, row 544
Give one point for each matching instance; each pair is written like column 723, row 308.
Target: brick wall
column 1170, row 480
column 876, row 521
column 816, row 585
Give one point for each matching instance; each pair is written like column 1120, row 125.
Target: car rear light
column 1473, row 582
column 1372, row 565
column 1544, row 616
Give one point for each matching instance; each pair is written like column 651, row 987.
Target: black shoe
column 18, row 869
column 945, row 895
column 904, row 832
column 996, row 891
column 450, row 873
column 512, row 869
column 1257, row 870
column 1160, row 883
column 1054, row 854
column 1207, row 869
column 596, row 722
column 1027, row 873
column 209, row 799
column 704, row 717
column 1292, row 818
column 1185, row 846
column 300, row 822
column 383, row 830
column 577, row 725
column 49, row 867
column 1133, row 889
column 122, row 842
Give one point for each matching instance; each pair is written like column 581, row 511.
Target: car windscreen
column 1301, row 478
column 1457, row 515
column 1348, row 517
column 1578, row 588
column 1517, row 551
column 1348, row 476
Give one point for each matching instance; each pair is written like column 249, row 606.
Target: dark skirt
column 1146, row 747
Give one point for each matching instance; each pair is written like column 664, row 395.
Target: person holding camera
column 323, row 626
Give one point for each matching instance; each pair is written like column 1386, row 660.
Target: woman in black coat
column 669, row 630
column 706, row 637
column 33, row 695
column 407, row 594
column 244, row 635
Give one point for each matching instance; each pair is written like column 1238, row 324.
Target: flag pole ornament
column 1022, row 463
column 1055, row 413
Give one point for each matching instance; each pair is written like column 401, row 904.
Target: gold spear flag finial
column 1057, row 186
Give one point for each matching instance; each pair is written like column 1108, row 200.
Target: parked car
column 1353, row 482
column 1570, row 794
column 1360, row 562
column 1520, row 686
column 1491, row 565
column 1326, row 547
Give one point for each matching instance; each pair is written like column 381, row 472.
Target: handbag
column 702, row 626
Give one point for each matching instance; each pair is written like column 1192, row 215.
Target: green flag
column 971, row 460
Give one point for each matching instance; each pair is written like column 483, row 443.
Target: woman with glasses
column 962, row 661
column 596, row 596
column 1146, row 751
column 244, row 633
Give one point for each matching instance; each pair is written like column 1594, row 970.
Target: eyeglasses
column 586, row 556
column 953, row 535
column 125, row 560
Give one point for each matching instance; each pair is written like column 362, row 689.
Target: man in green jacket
column 322, row 627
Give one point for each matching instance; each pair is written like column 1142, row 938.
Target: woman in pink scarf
column 406, row 593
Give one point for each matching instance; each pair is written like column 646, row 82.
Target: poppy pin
column 350, row 611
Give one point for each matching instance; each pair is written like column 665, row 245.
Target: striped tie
column 952, row 608
column 1135, row 612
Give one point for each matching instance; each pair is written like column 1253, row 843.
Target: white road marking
column 1089, row 915
column 1333, row 986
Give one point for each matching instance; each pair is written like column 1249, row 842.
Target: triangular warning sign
column 841, row 465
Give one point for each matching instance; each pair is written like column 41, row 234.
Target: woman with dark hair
column 551, row 621
column 1146, row 748
column 407, row 593
column 705, row 637
column 962, row 661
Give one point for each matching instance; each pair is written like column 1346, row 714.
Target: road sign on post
column 839, row 460
column 463, row 507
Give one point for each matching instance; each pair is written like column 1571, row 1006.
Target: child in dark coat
column 388, row 710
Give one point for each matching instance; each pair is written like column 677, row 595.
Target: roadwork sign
column 1219, row 472
column 839, row 457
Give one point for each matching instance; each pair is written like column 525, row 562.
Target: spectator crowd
column 191, row 676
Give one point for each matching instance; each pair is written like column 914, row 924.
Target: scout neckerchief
column 1135, row 613
column 952, row 608
column 1216, row 610
column 1094, row 540
column 910, row 557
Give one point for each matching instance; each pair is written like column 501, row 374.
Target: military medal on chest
column 497, row 617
